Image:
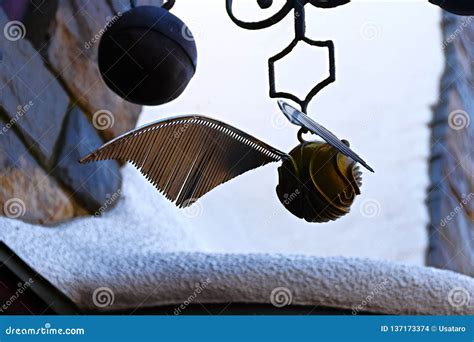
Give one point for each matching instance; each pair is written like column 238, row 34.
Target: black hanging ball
column 148, row 56
column 460, row 7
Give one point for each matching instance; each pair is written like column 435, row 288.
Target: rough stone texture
column 93, row 183
column 451, row 196
column 70, row 45
column 26, row 191
column 43, row 74
column 47, row 102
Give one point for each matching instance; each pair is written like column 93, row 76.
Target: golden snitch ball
column 318, row 183
column 317, row 180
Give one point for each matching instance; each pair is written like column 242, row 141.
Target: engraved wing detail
column 185, row 157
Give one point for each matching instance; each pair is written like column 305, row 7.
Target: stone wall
column 55, row 108
column 451, row 196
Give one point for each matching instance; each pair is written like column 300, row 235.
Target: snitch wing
column 300, row 119
column 185, row 157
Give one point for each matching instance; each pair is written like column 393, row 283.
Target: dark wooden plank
column 25, row 292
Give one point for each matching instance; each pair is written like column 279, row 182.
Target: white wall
column 389, row 60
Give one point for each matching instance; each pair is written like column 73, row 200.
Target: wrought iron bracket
column 303, row 103
column 299, row 12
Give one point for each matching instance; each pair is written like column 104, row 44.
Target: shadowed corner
column 38, row 295
column 459, row 7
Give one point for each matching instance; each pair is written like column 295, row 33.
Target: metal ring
column 300, row 135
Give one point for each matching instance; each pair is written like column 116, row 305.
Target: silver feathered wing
column 301, row 119
column 185, row 157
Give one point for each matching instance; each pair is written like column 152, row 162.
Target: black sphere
column 148, row 56
column 460, row 7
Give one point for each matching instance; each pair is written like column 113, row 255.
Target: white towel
column 154, row 259
column 102, row 279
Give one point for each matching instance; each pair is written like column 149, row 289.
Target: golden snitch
column 187, row 156
column 318, row 183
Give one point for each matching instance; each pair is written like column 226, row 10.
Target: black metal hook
column 168, row 4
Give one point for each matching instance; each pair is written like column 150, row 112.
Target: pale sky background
column 389, row 61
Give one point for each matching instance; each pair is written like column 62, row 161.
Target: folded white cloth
column 150, row 259
column 360, row 285
column 105, row 280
